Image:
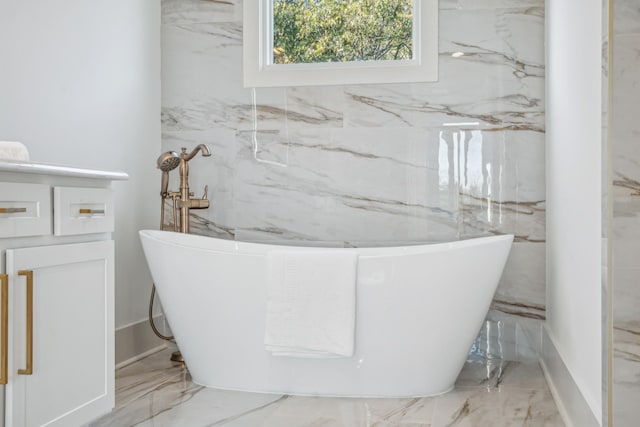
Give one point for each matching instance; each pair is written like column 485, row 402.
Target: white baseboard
column 572, row 405
column 140, row 356
column 137, row 340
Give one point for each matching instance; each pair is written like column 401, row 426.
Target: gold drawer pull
column 12, row 210
column 4, row 338
column 29, row 369
column 92, row 211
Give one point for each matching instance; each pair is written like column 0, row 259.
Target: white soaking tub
column 418, row 311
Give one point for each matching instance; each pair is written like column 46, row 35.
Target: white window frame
column 259, row 71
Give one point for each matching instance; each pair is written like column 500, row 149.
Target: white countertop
column 49, row 169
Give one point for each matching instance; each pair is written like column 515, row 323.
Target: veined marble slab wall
column 625, row 136
column 363, row 165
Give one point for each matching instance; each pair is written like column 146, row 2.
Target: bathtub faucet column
column 186, row 202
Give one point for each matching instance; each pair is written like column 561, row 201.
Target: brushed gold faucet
column 186, row 201
column 181, row 201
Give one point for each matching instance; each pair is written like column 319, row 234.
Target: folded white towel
column 311, row 303
column 11, row 150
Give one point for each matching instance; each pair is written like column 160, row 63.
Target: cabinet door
column 72, row 376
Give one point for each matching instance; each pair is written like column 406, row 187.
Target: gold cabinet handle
column 12, row 210
column 91, row 211
column 4, row 335
column 29, row 369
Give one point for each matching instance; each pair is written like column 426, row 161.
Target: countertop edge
column 60, row 170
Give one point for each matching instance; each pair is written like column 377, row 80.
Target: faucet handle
column 206, row 191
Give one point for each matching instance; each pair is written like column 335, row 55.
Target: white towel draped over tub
column 311, row 303
column 10, row 150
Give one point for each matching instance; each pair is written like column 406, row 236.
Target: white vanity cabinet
column 61, row 348
column 57, row 315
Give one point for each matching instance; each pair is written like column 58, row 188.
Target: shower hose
column 153, row 286
column 153, row 325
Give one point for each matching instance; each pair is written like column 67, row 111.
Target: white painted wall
column 573, row 165
column 80, row 85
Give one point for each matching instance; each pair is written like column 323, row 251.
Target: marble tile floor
column 157, row 392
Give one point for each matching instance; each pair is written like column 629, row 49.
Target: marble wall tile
column 367, row 165
column 501, row 183
column 626, row 377
column 189, row 11
column 496, row 46
column 500, row 165
column 627, row 300
column 626, row 155
column 627, row 17
column 521, row 290
column 525, row 220
column 295, row 108
column 496, row 35
column 488, row 4
column 625, row 231
column 626, row 316
column 422, row 177
column 343, row 185
column 202, row 76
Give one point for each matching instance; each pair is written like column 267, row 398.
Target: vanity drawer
column 25, row 209
column 82, row 210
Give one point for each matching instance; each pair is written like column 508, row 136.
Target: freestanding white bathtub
column 418, row 311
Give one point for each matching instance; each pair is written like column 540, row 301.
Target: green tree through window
column 307, row 31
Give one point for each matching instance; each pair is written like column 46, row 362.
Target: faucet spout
column 186, row 157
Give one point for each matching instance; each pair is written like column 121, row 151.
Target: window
column 315, row 42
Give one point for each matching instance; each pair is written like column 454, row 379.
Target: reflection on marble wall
column 626, row 212
column 379, row 164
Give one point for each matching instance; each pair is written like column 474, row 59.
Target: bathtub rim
column 216, row 244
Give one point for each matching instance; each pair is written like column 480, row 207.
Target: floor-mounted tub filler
column 418, row 310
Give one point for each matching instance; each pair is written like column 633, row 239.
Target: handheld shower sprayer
column 166, row 163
